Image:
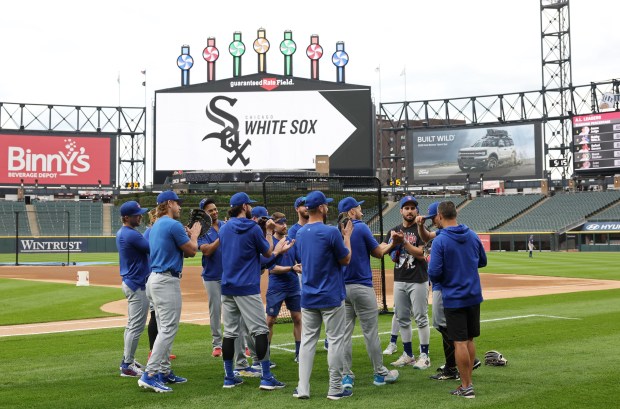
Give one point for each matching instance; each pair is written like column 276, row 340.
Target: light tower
column 557, row 79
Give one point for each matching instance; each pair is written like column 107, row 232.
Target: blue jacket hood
column 241, row 225
column 457, row 233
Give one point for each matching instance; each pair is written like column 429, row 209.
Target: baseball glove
column 200, row 216
column 494, row 358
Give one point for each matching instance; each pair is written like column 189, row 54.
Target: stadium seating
column 611, row 214
column 484, row 214
column 8, row 211
column 562, row 211
column 56, row 218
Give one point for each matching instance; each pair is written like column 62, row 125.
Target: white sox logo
column 229, row 135
column 70, row 163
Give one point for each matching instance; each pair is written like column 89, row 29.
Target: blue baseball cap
column 259, row 211
column 201, row 205
column 301, row 201
column 432, row 210
column 240, row 198
column 132, row 208
column 168, row 195
column 347, row 204
column 316, row 198
column 408, row 199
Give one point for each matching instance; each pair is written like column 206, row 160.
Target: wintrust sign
column 52, row 160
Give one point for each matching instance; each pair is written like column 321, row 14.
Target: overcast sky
column 71, row 52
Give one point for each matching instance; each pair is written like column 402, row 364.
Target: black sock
column 152, row 330
column 228, row 349
column 262, row 343
column 448, row 348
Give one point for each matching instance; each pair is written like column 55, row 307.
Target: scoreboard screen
column 596, row 141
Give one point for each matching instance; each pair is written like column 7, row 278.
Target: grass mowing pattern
column 548, row 359
column 25, row 302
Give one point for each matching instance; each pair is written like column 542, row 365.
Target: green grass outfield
column 599, row 265
column 561, row 351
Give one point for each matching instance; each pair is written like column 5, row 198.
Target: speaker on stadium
column 27, row 199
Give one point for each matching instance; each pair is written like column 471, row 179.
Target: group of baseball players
column 321, row 272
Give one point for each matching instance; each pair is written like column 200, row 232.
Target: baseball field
column 554, row 317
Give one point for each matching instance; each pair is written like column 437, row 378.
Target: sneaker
column 391, row 377
column 344, row 394
column 256, row 366
column 447, row 374
column 172, row 356
column 404, row 360
column 131, row 370
column 247, row 352
column 390, row 349
column 232, row 382
column 298, row 396
column 464, row 392
column 477, row 363
column 423, row 362
column 217, row 352
column 248, row 372
column 270, row 383
column 139, row 365
column 170, row 377
column 326, row 345
column 296, row 359
column 152, row 382
column 347, row 382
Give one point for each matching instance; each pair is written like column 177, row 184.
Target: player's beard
column 248, row 214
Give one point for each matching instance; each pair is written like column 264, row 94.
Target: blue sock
column 394, row 338
column 228, row 368
column 265, row 366
column 407, row 348
column 424, row 349
column 297, row 345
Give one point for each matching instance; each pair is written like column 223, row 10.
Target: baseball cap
column 201, row 205
column 347, row 204
column 316, row 198
column 168, row 195
column 278, row 218
column 132, row 208
column 432, row 210
column 240, row 198
column 300, row 201
column 259, row 211
column 408, row 199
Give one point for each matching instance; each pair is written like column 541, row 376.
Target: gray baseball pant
column 410, row 297
column 361, row 302
column 244, row 311
column 164, row 291
column 214, row 293
column 137, row 313
column 439, row 316
column 311, row 320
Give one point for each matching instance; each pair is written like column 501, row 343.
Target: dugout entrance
column 280, row 192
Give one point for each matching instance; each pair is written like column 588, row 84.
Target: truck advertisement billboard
column 509, row 152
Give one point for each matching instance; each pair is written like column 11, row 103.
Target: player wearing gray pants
column 133, row 251
column 411, row 286
column 322, row 252
column 170, row 242
column 361, row 300
column 311, row 319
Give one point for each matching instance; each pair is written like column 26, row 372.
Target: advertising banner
column 596, row 141
column 500, row 153
column 260, row 123
column 48, row 245
column 486, row 241
column 56, row 159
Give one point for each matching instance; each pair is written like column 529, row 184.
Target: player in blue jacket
column 456, row 255
column 133, row 253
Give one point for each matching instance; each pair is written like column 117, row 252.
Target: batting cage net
column 41, row 237
column 280, row 193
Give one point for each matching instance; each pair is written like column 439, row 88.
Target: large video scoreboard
column 596, row 141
